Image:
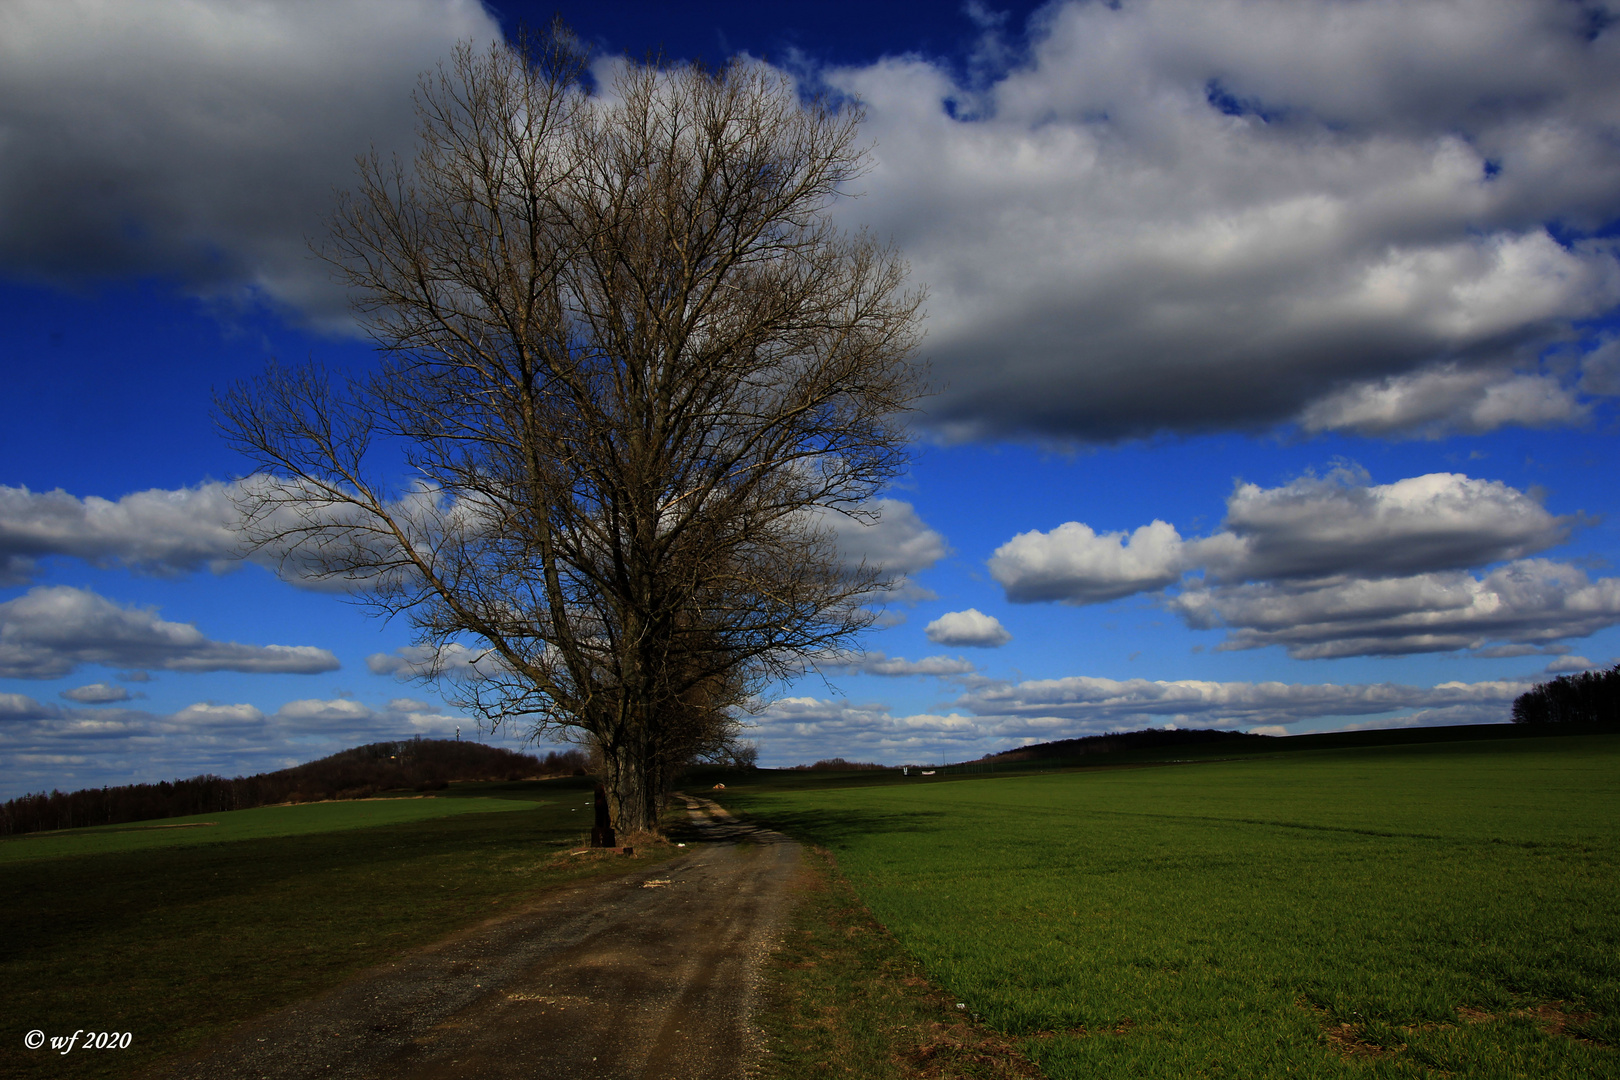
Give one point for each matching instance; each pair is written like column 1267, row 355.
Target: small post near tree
column 631, row 367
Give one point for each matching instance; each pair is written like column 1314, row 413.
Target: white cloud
column 169, row 533
column 96, row 694
column 878, row 663
column 206, row 715
column 805, row 729
column 1341, row 524
column 895, row 539
column 453, row 660
column 156, row 532
column 44, row 746
column 1446, row 399
column 1571, row 663
column 999, row 715
column 1072, row 563
column 1132, row 703
column 1164, row 215
column 1314, row 527
column 971, row 628
column 899, row 540
column 1335, row 566
column 51, row 631
column 202, row 141
column 1526, row 602
column 1211, row 214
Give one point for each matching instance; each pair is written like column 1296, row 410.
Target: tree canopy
column 1588, row 697
column 631, row 365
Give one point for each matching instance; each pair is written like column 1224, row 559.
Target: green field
column 256, row 824
column 175, row 935
column 1419, row 910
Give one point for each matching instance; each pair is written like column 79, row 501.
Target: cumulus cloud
column 155, row 532
column 1174, row 215
column 50, row 631
column 44, row 746
column 1190, row 215
column 1527, row 601
column 1339, row 526
column 971, row 628
column 892, row 536
column 896, row 539
column 1337, row 566
column 1600, row 367
column 1447, row 399
column 168, row 533
column 1073, row 564
column 202, row 142
column 96, row 694
column 998, row 715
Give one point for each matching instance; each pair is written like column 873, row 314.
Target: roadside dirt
column 648, row 974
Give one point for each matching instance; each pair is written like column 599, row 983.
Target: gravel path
column 649, row 974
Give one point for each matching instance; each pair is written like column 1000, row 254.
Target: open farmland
column 1415, row 910
column 261, row 822
column 175, row 935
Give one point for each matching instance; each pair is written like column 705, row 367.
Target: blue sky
column 1277, row 348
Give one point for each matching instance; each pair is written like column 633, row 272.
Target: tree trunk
column 631, row 798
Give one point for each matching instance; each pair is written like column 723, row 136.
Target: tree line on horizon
column 1587, row 698
column 358, row 773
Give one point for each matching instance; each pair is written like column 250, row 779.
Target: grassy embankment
column 176, row 934
column 1414, row 910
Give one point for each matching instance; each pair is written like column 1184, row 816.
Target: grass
column 1418, row 910
column 846, row 1000
column 177, row 943
column 259, row 823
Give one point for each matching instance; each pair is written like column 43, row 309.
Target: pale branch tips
column 632, row 365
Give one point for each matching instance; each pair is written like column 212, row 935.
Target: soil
column 651, row 973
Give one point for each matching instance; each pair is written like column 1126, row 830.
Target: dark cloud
column 1187, row 215
column 1178, row 215
column 202, row 142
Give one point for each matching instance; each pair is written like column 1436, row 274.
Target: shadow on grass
column 832, row 829
column 49, row 900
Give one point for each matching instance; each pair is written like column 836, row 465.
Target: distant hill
column 406, row 765
column 1149, row 739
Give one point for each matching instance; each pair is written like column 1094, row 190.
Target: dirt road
column 647, row 975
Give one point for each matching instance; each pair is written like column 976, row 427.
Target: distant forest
column 1589, row 698
column 407, row 765
column 1150, row 739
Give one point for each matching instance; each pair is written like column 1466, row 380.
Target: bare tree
column 628, row 367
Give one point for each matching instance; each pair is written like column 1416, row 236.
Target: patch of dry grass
column 843, row 1000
